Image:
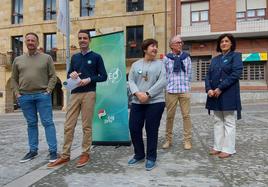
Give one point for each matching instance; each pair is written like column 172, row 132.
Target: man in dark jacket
column 89, row 67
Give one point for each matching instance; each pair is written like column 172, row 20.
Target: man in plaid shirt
column 178, row 71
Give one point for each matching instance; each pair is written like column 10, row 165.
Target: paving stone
column 175, row 167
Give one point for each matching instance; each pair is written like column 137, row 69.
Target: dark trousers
column 150, row 115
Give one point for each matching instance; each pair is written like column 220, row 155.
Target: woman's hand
column 217, row 92
column 142, row 97
column 211, row 93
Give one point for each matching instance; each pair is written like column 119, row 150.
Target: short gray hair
column 174, row 38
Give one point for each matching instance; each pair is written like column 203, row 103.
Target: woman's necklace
column 145, row 77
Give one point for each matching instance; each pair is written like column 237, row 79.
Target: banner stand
column 110, row 118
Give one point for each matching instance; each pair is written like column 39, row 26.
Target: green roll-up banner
column 110, row 120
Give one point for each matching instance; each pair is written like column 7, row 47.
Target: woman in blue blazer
column 223, row 94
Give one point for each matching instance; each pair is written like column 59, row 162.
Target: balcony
column 247, row 28
column 195, row 30
column 252, row 28
column 58, row 56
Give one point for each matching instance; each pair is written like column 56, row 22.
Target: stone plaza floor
column 175, row 167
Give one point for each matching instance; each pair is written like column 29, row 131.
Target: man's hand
column 211, row 93
column 84, row 82
column 142, row 97
column 74, row 75
column 217, row 92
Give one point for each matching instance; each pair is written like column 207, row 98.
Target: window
column 92, row 32
column 257, row 14
column 17, row 11
column 199, row 16
column 250, row 10
column 17, row 46
column 134, row 41
column 240, row 15
column 195, row 16
column 200, row 65
column 261, row 12
column 204, row 15
column 250, row 13
column 135, row 5
column 50, row 10
column 253, row 71
column 87, row 7
column 50, row 43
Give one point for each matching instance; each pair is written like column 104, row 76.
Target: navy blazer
column 224, row 73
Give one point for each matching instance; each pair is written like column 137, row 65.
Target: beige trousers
column 83, row 102
column 172, row 100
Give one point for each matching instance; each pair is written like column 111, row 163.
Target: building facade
column 139, row 19
column 200, row 22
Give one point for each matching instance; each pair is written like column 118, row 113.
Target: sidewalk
column 175, row 167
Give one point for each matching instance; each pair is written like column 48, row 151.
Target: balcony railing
column 58, row 56
column 195, row 30
column 252, row 26
column 61, row 55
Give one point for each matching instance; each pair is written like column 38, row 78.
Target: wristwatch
column 147, row 93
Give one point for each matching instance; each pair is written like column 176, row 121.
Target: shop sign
column 250, row 57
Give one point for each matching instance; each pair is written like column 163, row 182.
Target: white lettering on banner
column 109, row 119
column 115, row 75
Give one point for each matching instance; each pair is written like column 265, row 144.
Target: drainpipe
column 153, row 26
column 175, row 20
column 165, row 26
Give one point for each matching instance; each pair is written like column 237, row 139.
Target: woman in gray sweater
column 147, row 80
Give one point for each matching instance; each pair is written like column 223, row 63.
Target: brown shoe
column 60, row 161
column 224, row 155
column 167, row 145
column 83, row 160
column 214, row 152
column 187, row 145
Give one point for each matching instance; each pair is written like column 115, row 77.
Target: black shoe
column 28, row 156
column 53, row 156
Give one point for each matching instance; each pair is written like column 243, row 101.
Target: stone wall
column 109, row 16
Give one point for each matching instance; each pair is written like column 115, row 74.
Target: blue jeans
column 31, row 104
column 150, row 114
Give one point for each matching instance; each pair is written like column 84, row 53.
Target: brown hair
column 146, row 43
column 230, row 37
column 85, row 31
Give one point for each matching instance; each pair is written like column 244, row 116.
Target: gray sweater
column 148, row 77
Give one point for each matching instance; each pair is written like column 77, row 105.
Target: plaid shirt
column 178, row 82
